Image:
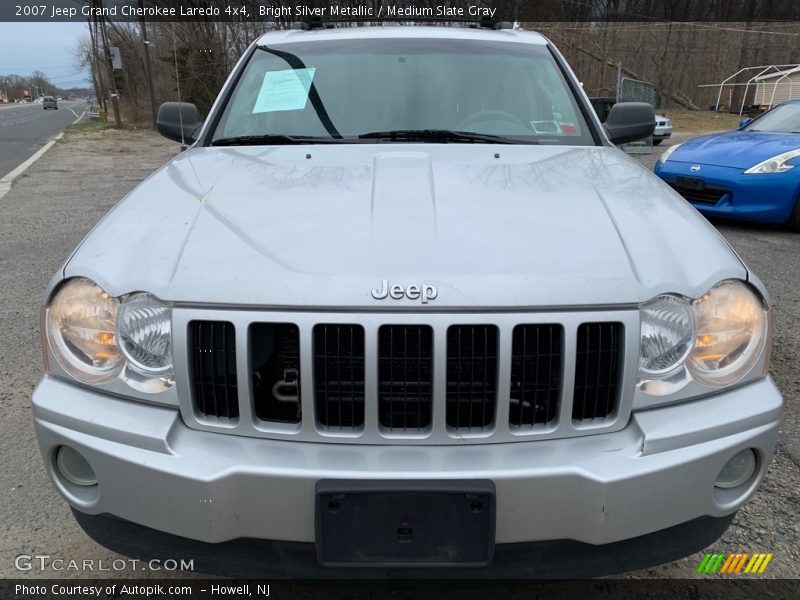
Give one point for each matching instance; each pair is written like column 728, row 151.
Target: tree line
column 161, row 59
column 17, row 87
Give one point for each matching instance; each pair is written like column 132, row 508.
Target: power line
column 664, row 26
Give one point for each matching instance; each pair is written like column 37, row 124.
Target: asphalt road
column 24, row 128
column 61, row 197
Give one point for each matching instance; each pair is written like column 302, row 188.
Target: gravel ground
column 63, row 195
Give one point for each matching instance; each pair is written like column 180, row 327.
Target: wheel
column 657, row 142
column 793, row 222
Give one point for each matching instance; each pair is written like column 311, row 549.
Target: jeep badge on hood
column 413, row 291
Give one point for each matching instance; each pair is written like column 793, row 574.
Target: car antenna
column 178, row 83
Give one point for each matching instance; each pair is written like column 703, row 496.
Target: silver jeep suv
column 402, row 307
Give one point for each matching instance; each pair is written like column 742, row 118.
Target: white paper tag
column 284, row 90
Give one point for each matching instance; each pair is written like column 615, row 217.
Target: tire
column 793, row 222
column 657, row 142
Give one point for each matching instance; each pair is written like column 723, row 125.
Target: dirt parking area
column 699, row 121
column 63, row 195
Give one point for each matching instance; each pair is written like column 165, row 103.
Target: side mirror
column 630, row 121
column 178, row 121
column 744, row 122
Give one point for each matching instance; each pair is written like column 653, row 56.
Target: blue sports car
column 752, row 173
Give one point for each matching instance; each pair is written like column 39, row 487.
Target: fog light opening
column 74, row 468
column 738, row 470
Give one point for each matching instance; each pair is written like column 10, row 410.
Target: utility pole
column 148, row 73
column 97, row 75
column 114, row 91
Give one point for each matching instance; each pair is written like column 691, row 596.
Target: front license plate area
column 405, row 523
column 691, row 183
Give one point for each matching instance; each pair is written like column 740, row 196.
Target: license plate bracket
column 691, row 183
column 405, row 523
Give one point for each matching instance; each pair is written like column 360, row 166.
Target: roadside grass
column 106, row 140
column 105, row 130
column 699, row 120
column 86, row 126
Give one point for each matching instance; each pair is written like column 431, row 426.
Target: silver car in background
column 663, row 130
column 402, row 309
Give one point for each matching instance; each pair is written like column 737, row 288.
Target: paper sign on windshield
column 284, row 90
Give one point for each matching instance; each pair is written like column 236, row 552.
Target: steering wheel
column 491, row 115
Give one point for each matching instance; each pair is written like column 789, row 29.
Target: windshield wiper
column 277, row 139
column 441, row 136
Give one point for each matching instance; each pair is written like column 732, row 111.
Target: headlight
column 667, row 335
column 667, row 153
column 144, row 326
column 81, row 329
column 731, row 330
column 714, row 340
column 776, row 164
column 97, row 338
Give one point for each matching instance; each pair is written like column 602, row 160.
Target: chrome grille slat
column 536, row 374
column 405, row 377
column 398, row 393
column 596, row 356
column 214, row 377
column 339, row 375
column 274, row 372
column 471, row 376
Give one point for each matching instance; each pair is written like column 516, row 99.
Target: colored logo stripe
column 711, row 563
column 758, row 563
column 736, row 562
column 720, row 562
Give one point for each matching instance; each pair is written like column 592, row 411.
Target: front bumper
column 764, row 198
column 656, row 473
column 557, row 559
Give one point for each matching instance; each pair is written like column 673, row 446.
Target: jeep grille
column 318, row 377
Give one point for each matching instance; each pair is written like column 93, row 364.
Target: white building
column 774, row 88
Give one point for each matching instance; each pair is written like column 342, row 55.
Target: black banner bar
column 731, row 588
column 286, row 11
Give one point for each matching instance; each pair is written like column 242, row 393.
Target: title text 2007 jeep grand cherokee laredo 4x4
column 403, row 307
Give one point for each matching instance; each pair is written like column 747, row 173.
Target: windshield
column 389, row 90
column 783, row 119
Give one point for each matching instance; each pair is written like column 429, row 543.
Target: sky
column 46, row 47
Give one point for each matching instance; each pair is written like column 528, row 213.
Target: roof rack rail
column 312, row 23
column 489, row 23
column 319, row 23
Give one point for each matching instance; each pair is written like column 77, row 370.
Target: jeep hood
column 490, row 226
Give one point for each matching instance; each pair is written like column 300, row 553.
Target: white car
column 402, row 310
column 663, row 130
